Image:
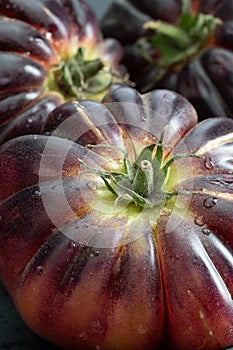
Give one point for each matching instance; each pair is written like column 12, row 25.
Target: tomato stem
column 143, row 180
column 79, row 76
column 179, row 42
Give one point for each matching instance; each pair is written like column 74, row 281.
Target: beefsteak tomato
column 116, row 229
column 50, row 52
column 181, row 45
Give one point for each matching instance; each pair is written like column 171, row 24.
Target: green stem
column 175, row 33
column 177, row 43
column 79, row 76
column 143, row 181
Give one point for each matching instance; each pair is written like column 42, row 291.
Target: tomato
column 50, row 52
column 116, row 229
column 187, row 49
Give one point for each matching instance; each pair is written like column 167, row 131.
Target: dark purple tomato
column 186, row 46
column 50, row 52
column 116, row 230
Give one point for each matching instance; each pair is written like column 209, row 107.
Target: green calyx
column 79, row 77
column 142, row 182
column 179, row 42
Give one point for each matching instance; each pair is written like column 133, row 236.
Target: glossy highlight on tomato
column 50, row 52
column 88, row 268
column 183, row 45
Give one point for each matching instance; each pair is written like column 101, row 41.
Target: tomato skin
column 192, row 77
column 60, row 20
column 34, row 43
column 170, row 285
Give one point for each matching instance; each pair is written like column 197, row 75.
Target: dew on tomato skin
column 143, row 118
column 37, row 194
column 39, row 270
column 209, row 163
column 28, row 123
column 92, row 185
column 71, row 280
column 96, row 253
column 73, row 245
column 53, row 187
column 206, row 231
column 199, row 220
column 210, row 202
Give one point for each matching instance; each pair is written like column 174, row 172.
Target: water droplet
column 37, row 194
column 71, row 279
column 143, row 117
column 210, row 202
column 199, row 221
column 73, row 245
column 98, row 347
column 96, row 253
column 208, row 163
column 46, row 250
column 39, row 270
column 92, row 185
column 206, row 231
column 54, row 187
column 29, row 120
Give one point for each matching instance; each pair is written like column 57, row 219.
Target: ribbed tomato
column 50, row 52
column 116, row 230
column 183, row 45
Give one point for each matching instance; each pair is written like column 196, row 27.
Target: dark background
column 14, row 334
